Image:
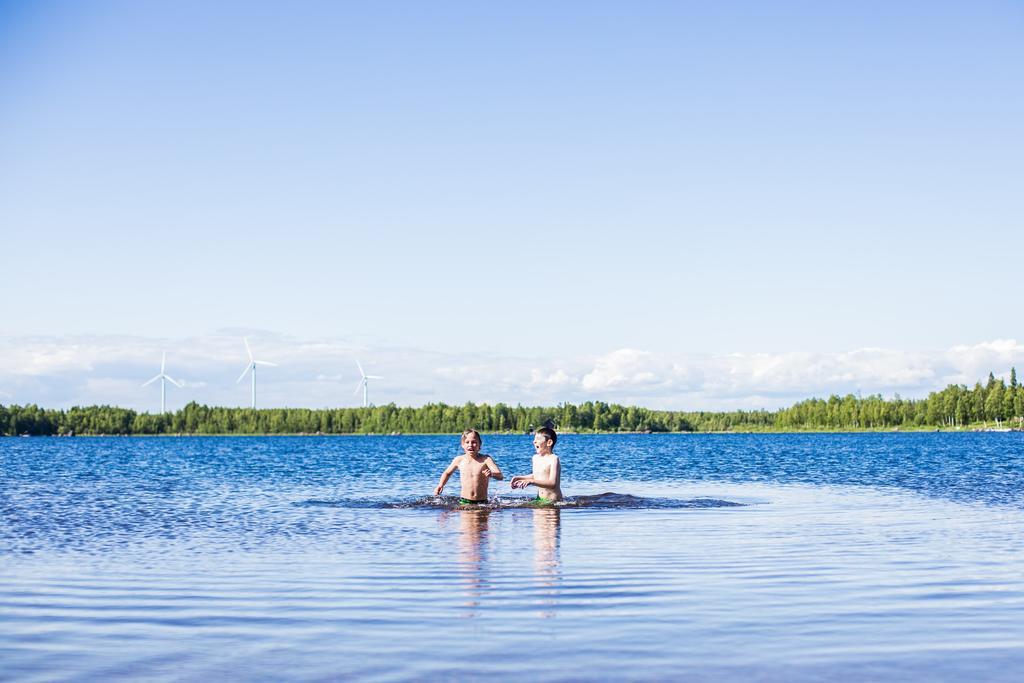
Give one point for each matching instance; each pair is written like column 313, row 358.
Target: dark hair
column 471, row 431
column 549, row 433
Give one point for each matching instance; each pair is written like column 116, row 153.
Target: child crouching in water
column 547, row 471
column 475, row 469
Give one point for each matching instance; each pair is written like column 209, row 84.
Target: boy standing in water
column 547, row 471
column 475, row 469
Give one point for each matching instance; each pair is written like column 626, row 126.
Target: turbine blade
column 153, row 380
column 247, row 349
column 163, row 363
column 174, row 382
column 374, row 377
column 244, row 373
column 358, row 387
column 358, row 365
column 265, row 362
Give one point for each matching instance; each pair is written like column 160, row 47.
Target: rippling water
column 713, row 557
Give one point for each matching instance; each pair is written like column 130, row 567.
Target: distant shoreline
column 922, row 430
column 994, row 406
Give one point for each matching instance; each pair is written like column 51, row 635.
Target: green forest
column 992, row 404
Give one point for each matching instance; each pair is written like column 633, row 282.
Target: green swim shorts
column 539, row 502
column 467, row 501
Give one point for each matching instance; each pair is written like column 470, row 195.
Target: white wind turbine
column 363, row 382
column 251, row 368
column 164, row 378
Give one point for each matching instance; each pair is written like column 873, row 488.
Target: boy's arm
column 446, row 474
column 521, row 481
column 492, row 470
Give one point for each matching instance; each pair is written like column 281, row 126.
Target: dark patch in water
column 611, row 499
column 608, row 500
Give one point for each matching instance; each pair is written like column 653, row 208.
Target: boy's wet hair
column 471, row 431
column 549, row 433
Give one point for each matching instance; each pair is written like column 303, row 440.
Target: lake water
column 721, row 557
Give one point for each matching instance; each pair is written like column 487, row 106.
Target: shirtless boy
column 475, row 469
column 547, row 471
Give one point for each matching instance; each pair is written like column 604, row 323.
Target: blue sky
column 535, row 188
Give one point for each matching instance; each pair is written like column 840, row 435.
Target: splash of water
column 607, row 500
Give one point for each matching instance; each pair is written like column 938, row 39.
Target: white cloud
column 968, row 364
column 627, row 368
column 60, row 372
column 803, row 372
column 558, row 378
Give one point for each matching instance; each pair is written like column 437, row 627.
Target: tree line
column 955, row 406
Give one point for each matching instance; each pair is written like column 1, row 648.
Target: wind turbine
column 363, row 382
column 164, row 378
column 251, row 368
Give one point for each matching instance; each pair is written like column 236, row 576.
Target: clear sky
column 458, row 192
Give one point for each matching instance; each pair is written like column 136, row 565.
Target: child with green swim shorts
column 476, row 469
column 547, row 470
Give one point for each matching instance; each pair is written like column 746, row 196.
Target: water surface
column 717, row 557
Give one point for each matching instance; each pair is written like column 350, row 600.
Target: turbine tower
column 363, row 382
column 251, row 369
column 164, row 378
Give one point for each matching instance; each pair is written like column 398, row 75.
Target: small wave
column 614, row 500
column 425, row 502
column 608, row 500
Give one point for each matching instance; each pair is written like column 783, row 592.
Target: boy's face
column 541, row 443
column 471, row 443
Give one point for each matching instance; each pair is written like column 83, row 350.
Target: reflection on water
column 546, row 562
column 472, row 554
column 471, row 527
